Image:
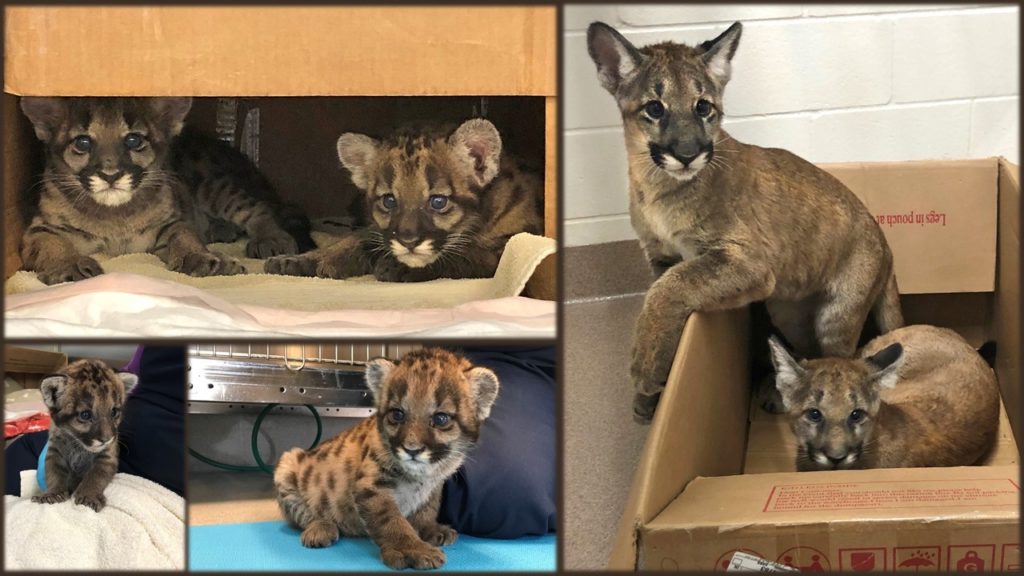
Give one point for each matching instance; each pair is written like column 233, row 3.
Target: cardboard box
column 703, row 491
column 28, row 366
column 505, row 53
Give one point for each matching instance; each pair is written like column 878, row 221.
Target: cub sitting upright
column 85, row 402
column 383, row 477
column 441, row 204
column 917, row 396
column 107, row 188
column 724, row 224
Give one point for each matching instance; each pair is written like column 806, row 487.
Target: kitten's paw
column 50, row 498
column 72, row 271
column 644, row 406
column 291, row 265
column 202, row 264
column 94, row 501
column 769, row 397
column 422, row 556
column 267, row 246
column 319, row 534
column 439, row 535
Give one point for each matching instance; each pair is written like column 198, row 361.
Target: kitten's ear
column 356, row 152
column 718, row 53
column 615, row 57
column 885, row 365
column 171, row 112
column 129, row 380
column 377, row 371
column 788, row 372
column 45, row 113
column 52, row 388
column 485, row 387
column 476, row 149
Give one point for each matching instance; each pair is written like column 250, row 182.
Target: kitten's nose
column 111, row 176
column 413, row 452
column 408, row 240
column 836, row 460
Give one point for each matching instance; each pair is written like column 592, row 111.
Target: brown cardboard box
column 28, row 366
column 349, row 54
column 702, row 490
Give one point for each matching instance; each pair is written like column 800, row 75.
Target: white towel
column 138, row 296
column 142, row 527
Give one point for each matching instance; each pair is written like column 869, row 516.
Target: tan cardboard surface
column 32, row 361
column 280, row 51
column 938, row 216
column 699, row 427
column 1006, row 316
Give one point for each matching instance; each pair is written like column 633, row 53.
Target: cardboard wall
column 280, row 51
column 22, row 161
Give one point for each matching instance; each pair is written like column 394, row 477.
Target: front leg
column 180, row 248
column 400, row 545
column 57, row 481
column 719, row 279
column 346, row 258
column 95, row 481
column 425, row 522
column 48, row 251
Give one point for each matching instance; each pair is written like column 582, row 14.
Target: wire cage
column 246, row 377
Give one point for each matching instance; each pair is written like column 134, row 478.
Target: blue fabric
column 262, row 546
column 41, row 468
column 507, row 488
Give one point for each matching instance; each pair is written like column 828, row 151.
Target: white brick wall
column 832, row 83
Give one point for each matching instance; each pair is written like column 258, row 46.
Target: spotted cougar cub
column 383, row 477
column 442, row 203
column 724, row 223
column 85, row 401
column 917, row 396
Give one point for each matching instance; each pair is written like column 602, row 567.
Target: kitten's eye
column 857, row 416
column 396, row 415
column 438, row 202
column 654, row 109
column 703, row 108
column 134, row 141
column 388, row 201
column 440, row 419
column 114, row 413
column 82, row 144
column 85, row 415
column 814, row 415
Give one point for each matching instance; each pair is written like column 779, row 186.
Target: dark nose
column 688, row 153
column 408, row 239
column 111, row 177
column 413, row 452
column 835, row 461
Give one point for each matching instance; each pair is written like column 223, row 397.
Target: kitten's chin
column 423, row 255
column 112, row 197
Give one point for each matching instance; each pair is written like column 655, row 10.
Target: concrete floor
column 604, row 288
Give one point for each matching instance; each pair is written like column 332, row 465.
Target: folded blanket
column 142, row 527
column 139, row 296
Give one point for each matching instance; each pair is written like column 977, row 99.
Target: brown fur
column 363, row 482
column 85, row 402
column 724, row 224
column 486, row 199
column 76, row 218
column 928, row 399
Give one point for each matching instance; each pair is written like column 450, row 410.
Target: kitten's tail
column 887, row 312
column 286, row 480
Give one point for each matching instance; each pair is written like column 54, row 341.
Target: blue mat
column 275, row 546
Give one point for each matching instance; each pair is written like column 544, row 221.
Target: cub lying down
column 918, row 396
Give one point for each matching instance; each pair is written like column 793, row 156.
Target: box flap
column 280, row 51
column 1007, row 297
column 938, row 216
column 732, row 502
column 706, row 397
column 28, row 360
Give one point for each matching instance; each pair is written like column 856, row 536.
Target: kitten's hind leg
column 320, row 533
